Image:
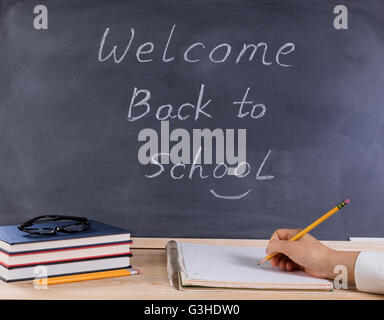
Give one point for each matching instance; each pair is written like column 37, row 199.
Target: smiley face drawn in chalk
column 258, row 177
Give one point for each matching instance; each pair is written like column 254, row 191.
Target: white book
column 236, row 267
column 365, row 239
column 54, row 256
column 61, row 269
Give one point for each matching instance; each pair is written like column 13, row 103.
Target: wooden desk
column 152, row 283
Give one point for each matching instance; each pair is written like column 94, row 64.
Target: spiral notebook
column 228, row 267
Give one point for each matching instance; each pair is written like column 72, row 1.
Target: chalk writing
column 195, row 153
column 145, row 52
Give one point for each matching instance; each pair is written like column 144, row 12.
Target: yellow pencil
column 341, row 205
column 85, row 276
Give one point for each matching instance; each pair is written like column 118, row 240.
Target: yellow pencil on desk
column 341, row 205
column 86, row 276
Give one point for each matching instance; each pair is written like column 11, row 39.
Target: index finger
column 284, row 234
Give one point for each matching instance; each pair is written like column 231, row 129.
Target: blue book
column 13, row 240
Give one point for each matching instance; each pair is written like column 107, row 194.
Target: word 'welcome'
column 194, row 52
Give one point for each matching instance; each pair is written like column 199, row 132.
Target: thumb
column 283, row 246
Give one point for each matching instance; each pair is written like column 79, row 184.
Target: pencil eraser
column 347, row 201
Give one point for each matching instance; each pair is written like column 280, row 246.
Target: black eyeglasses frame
column 25, row 227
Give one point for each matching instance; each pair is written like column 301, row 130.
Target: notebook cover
column 12, row 235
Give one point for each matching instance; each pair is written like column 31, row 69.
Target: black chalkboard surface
column 107, row 112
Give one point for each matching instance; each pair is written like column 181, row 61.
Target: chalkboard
column 282, row 101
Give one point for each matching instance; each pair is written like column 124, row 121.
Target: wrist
column 332, row 262
column 346, row 259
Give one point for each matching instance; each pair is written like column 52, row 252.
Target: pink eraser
column 347, row 201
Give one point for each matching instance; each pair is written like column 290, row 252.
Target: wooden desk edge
column 159, row 243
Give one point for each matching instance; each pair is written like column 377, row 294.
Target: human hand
column 308, row 254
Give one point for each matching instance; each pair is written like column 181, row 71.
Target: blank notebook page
column 236, row 267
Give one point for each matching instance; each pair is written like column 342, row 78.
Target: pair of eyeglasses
column 73, row 225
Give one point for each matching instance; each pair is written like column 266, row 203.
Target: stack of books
column 102, row 247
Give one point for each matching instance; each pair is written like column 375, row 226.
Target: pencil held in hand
column 311, row 226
